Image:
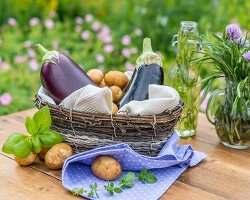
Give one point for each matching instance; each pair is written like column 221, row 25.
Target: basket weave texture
column 86, row 131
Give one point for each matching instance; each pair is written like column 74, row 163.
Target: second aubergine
column 60, row 75
column 148, row 71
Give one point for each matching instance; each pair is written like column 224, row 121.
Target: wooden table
column 225, row 174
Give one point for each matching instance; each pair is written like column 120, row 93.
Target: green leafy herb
column 39, row 135
column 147, row 176
column 127, row 181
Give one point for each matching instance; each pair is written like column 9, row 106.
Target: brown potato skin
column 114, row 109
column 116, row 78
column 43, row 153
column 116, row 93
column 106, row 168
column 27, row 160
column 102, row 84
column 96, row 75
column 57, row 154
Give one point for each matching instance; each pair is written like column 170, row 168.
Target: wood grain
column 224, row 174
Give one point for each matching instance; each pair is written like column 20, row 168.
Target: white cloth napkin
column 161, row 98
column 99, row 100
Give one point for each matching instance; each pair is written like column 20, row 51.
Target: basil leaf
column 49, row 138
column 31, row 126
column 118, row 190
column 146, row 176
column 42, row 119
column 12, row 140
column 22, row 148
column 36, row 145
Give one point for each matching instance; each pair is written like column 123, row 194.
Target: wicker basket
column 85, row 131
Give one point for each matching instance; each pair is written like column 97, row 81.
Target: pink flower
column 33, row 64
column 34, row 21
column 126, row 52
column 78, row 29
column 108, row 48
column 138, row 32
column 49, row 24
column 107, row 39
column 27, row 43
column 12, row 21
column 88, row 18
column 96, row 26
column 126, row 40
column 129, row 66
column 20, row 59
column 79, row 20
column 99, row 58
column 31, row 53
column 203, row 106
column 4, row 65
column 85, row 35
column 5, row 99
column 133, row 50
column 104, row 35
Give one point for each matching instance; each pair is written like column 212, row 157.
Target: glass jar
column 185, row 77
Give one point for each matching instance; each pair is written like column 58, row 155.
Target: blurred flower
column 126, row 40
column 104, row 35
column 78, row 28
column 96, row 26
column 126, row 52
column 133, row 50
column 34, row 21
column 49, row 24
column 246, row 56
column 107, row 39
column 138, row 32
column 88, row 18
column 203, row 106
column 27, row 43
column 12, row 21
column 20, row 59
column 52, row 13
column 108, row 48
column 5, row 99
column 55, row 45
column 233, row 31
column 31, row 53
column 85, row 35
column 129, row 66
column 4, row 65
column 99, row 58
column 79, row 20
column 33, row 64
column 162, row 20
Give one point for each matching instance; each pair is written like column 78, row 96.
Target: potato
column 114, row 109
column 116, row 78
column 116, row 93
column 57, row 154
column 106, row 168
column 102, row 83
column 27, row 160
column 43, row 153
column 96, row 75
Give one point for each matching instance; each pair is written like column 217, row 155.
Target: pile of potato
column 115, row 80
column 54, row 157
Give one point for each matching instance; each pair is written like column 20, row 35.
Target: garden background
column 106, row 34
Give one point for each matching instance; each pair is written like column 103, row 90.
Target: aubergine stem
column 148, row 56
column 48, row 56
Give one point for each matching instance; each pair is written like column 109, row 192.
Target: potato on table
column 27, row 160
column 106, row 168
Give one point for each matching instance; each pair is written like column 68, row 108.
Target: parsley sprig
column 39, row 135
column 126, row 182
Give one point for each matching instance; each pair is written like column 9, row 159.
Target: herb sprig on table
column 126, row 182
column 39, row 136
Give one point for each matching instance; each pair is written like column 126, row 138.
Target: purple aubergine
column 60, row 75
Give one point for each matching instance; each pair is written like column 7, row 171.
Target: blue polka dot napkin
column 167, row 167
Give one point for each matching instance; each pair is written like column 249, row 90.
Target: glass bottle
column 185, row 77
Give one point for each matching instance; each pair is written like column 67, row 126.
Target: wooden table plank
column 224, row 174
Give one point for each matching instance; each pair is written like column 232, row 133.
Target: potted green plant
column 230, row 58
